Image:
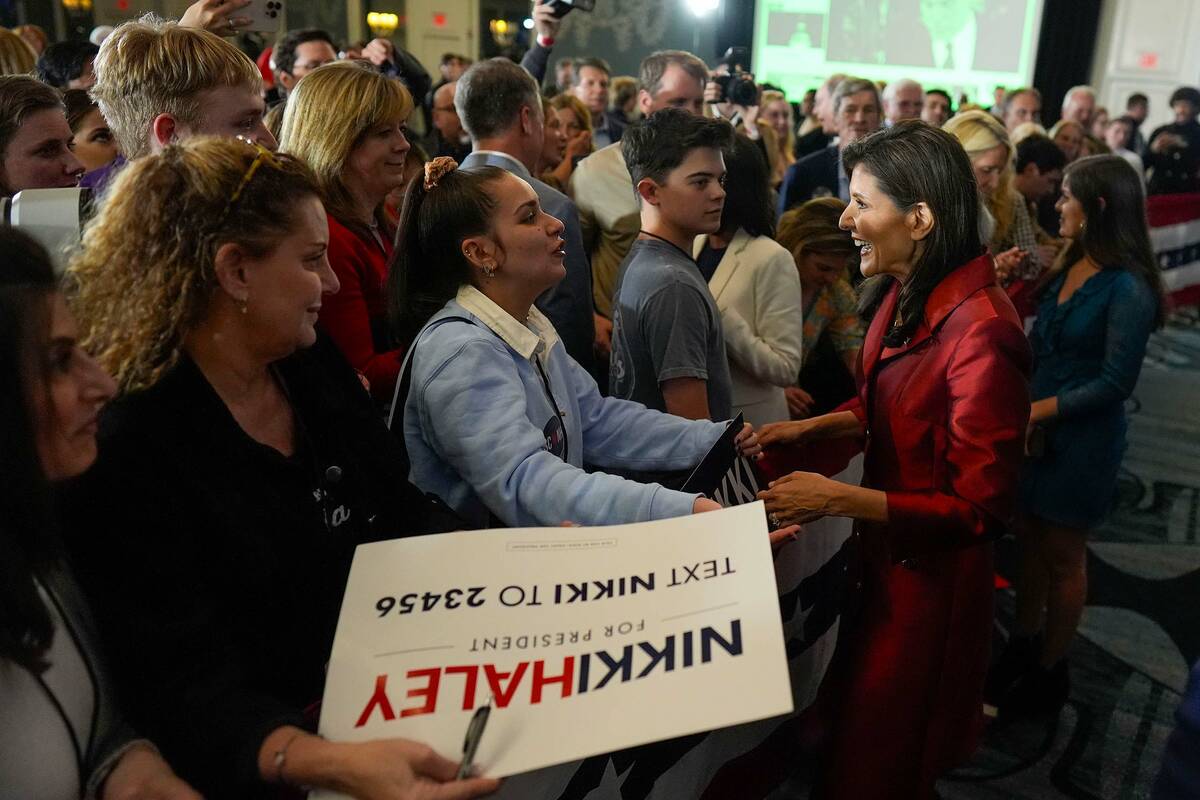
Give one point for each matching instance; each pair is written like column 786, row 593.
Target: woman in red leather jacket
column 942, row 408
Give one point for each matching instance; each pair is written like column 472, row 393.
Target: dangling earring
column 244, row 303
column 489, row 271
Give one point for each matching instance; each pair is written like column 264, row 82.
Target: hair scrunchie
column 436, row 169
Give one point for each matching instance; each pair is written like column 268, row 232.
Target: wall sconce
column 503, row 32
column 77, row 6
column 382, row 23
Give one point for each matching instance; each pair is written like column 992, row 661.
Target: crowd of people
column 292, row 325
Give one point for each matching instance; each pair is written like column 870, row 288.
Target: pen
column 471, row 742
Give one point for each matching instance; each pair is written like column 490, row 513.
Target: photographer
column 734, row 96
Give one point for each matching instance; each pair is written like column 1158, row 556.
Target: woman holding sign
column 942, row 407
column 240, row 465
column 499, row 420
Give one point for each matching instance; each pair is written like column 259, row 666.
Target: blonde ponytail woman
column 1012, row 239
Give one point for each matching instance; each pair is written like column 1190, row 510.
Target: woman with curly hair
column 241, row 463
column 349, row 124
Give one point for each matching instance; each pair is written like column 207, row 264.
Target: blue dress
column 1088, row 352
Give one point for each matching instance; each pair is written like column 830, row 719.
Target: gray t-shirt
column 666, row 325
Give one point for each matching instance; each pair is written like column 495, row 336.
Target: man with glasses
column 298, row 53
column 449, row 137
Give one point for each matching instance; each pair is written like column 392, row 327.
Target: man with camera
column 734, row 96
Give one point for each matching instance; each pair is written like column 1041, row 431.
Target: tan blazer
column 608, row 216
column 757, row 290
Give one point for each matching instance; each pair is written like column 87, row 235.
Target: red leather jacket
column 944, row 419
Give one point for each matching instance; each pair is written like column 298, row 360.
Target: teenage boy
column 158, row 82
column 668, row 348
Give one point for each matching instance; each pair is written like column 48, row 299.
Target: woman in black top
column 61, row 733
column 240, row 466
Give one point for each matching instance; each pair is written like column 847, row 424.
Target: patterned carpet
column 1141, row 628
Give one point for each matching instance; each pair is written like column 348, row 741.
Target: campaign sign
column 723, row 475
column 586, row 640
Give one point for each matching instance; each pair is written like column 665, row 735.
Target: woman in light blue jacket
column 498, row 419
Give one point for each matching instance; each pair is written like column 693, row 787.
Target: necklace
column 668, row 241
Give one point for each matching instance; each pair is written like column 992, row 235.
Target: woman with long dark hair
column 1097, row 310
column 942, row 408
column 61, row 733
column 498, row 419
column 754, row 281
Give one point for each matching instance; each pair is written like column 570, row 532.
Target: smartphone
column 267, row 16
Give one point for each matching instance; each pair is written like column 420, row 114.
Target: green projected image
column 962, row 46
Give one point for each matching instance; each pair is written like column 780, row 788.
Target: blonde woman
column 240, row 464
column 1068, row 135
column 349, row 123
column 1012, row 239
column 16, row 56
column 777, row 113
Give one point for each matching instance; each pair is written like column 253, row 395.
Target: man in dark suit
column 499, row 105
column 856, row 113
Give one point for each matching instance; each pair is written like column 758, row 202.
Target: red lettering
column 504, row 696
column 429, row 691
column 378, row 698
column 472, row 673
column 540, row 680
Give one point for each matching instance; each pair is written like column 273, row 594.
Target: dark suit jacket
column 568, row 305
column 806, row 177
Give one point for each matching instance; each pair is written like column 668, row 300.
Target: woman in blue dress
column 1095, row 315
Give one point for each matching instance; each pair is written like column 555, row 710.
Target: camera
column 738, row 86
column 561, row 8
column 53, row 217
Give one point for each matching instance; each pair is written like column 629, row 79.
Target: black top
column 708, row 261
column 216, row 566
column 1178, row 169
column 814, row 141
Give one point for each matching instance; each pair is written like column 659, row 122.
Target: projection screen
column 963, row 46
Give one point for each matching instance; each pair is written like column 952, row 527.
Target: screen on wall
column 962, row 46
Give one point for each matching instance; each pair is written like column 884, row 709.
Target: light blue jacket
column 482, row 432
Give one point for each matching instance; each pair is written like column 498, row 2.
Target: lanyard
column 562, row 418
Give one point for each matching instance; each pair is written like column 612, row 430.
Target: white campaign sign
column 589, row 640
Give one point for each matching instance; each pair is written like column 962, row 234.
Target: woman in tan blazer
column 757, row 290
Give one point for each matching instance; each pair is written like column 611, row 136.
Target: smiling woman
column 349, row 123
column 240, row 465
column 942, row 406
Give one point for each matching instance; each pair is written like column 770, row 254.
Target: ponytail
column 428, row 266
